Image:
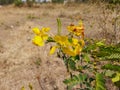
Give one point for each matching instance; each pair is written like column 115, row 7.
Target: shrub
column 57, row 1
column 114, row 1
column 3, row 2
column 88, row 62
column 18, row 2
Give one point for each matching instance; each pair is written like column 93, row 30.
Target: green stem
column 59, row 26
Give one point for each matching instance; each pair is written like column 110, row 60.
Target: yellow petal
column 45, row 29
column 77, row 50
column 36, row 30
column 44, row 36
column 52, row 50
column 68, row 52
column 37, row 40
column 74, row 41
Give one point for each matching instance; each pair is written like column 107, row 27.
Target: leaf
column 50, row 39
column 100, row 43
column 76, row 79
column 112, row 67
column 86, row 58
column 23, row 88
column 116, row 78
column 72, row 64
column 109, row 73
column 100, row 82
column 31, row 87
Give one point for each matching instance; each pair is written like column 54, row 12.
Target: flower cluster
column 69, row 45
column 41, row 36
column 77, row 30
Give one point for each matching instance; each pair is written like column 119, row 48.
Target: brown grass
column 21, row 62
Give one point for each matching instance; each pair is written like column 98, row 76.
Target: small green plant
column 4, row 2
column 57, row 1
column 30, row 87
column 114, row 1
column 18, row 2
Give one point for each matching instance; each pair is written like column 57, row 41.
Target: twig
column 38, row 78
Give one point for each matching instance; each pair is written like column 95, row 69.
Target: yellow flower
column 74, row 41
column 45, row 29
column 44, row 36
column 82, row 42
column 77, row 50
column 68, row 51
column 62, row 40
column 41, row 36
column 52, row 50
column 37, row 40
column 36, row 30
column 77, row 30
column 70, row 47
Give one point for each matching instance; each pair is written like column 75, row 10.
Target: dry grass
column 21, row 62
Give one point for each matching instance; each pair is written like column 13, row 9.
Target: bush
column 114, row 1
column 3, row 2
column 57, row 1
column 18, row 2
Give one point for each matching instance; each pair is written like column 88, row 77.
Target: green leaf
column 100, row 82
column 112, row 67
column 116, row 78
column 76, row 79
column 50, row 39
column 86, row 58
column 109, row 73
column 100, row 43
column 72, row 64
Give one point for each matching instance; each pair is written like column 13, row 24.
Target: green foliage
column 79, row 80
column 114, row 74
column 18, row 2
column 57, row 1
column 108, row 53
column 100, row 82
column 102, row 51
column 3, row 2
column 113, row 1
column 112, row 67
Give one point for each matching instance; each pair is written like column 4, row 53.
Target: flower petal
column 52, row 50
column 36, row 30
column 37, row 40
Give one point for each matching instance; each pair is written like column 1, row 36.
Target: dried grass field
column 22, row 63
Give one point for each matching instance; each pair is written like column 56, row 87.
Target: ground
column 21, row 62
